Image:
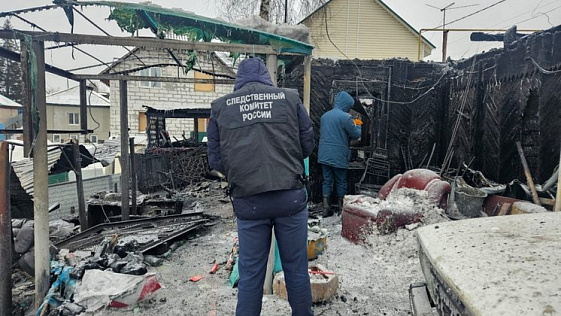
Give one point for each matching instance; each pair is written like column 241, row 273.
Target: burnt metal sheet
column 163, row 227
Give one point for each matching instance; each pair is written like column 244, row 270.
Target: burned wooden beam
column 138, row 42
column 8, row 54
column 147, row 78
column 507, row 37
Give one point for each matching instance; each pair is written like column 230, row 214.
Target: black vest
column 260, row 139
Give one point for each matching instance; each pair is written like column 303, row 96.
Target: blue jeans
column 255, row 241
column 337, row 175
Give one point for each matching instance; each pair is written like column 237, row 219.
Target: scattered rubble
column 373, row 277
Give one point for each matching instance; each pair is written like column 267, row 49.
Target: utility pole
column 285, row 11
column 444, row 30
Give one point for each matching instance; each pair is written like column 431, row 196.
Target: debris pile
column 403, row 207
column 171, row 169
column 108, row 265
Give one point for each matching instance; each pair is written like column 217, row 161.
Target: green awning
column 195, row 27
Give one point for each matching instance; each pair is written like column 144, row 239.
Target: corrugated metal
column 361, row 29
column 24, row 168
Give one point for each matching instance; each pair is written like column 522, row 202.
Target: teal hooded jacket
column 337, row 129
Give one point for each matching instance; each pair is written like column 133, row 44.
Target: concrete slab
column 507, row 265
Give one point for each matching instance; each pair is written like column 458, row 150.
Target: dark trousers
column 337, row 175
column 255, row 241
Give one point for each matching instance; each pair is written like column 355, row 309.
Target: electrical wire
column 361, row 76
column 542, row 70
column 537, row 16
column 474, row 13
column 510, row 19
column 44, row 30
column 463, row 102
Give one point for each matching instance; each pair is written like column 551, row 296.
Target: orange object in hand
column 358, row 122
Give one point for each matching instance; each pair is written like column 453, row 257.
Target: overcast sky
column 526, row 14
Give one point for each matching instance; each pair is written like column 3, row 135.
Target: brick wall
column 67, row 196
column 168, row 96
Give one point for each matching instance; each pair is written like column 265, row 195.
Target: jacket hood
column 344, row 101
column 252, row 70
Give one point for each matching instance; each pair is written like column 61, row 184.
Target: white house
column 166, row 95
column 63, row 113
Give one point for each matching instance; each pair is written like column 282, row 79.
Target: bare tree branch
column 232, row 10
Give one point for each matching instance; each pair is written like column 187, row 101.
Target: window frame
column 91, row 138
column 150, row 72
column 73, row 118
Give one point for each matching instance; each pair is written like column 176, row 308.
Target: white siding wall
column 361, row 29
column 98, row 120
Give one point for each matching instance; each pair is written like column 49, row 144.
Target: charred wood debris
column 158, row 226
column 460, row 119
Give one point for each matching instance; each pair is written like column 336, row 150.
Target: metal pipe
column 272, row 64
column 41, row 182
column 79, row 185
column 557, row 207
column 268, row 284
column 54, row 131
column 133, row 176
column 444, row 44
column 5, row 234
column 307, row 82
column 83, row 108
column 528, row 174
column 389, row 91
column 431, row 153
column 461, row 30
column 125, row 170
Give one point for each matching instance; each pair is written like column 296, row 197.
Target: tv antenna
column 444, row 31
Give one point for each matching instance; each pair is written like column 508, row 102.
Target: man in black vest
column 258, row 137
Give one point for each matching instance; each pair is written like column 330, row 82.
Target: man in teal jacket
column 337, row 129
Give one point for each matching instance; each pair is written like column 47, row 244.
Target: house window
column 73, row 136
column 93, row 139
column 142, row 122
column 203, row 87
column 56, row 138
column 73, row 118
column 151, row 72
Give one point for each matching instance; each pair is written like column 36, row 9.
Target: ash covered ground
column 373, row 278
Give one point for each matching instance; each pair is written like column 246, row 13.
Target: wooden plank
column 77, row 162
column 148, row 78
column 83, row 108
column 125, row 162
column 529, row 179
column 18, row 57
column 40, row 182
column 138, row 42
column 26, row 115
column 549, row 202
column 504, row 209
